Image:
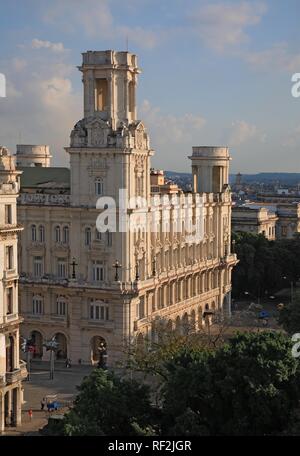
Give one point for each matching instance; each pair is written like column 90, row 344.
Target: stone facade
column 256, row 220
column 71, row 285
column 12, row 371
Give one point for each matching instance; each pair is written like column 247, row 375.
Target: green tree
column 250, row 386
column 109, row 405
column 289, row 316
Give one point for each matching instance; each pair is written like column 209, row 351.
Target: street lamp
column 117, row 266
column 292, row 287
column 28, row 346
column 103, row 355
column 73, row 264
column 51, row 345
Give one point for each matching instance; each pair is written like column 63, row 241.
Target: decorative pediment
column 97, row 132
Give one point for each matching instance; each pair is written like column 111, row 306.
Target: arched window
column 66, row 235
column 41, row 233
column 99, row 187
column 33, row 233
column 88, row 236
column 57, row 234
column 37, row 305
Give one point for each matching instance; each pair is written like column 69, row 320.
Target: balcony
column 10, row 318
column 10, row 274
column 14, row 376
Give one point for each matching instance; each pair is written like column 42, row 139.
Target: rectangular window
column 9, row 300
column 61, row 307
column 108, row 238
column 9, row 257
column 37, row 305
column 61, row 268
column 99, row 311
column 8, row 214
column 38, row 266
column 98, row 271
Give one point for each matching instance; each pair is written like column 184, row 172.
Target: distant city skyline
column 214, row 73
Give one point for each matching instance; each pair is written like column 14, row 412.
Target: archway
column 178, row 325
column 193, row 321
column 98, row 348
column 37, row 340
column 140, row 344
column 200, row 317
column 62, row 349
column 169, row 326
column 185, row 324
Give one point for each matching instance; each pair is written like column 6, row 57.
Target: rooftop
column 39, row 177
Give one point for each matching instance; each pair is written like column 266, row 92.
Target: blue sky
column 214, row 73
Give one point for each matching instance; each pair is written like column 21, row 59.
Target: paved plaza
column 63, row 385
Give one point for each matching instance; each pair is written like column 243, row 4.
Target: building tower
column 210, row 173
column 31, row 156
column 10, row 372
column 109, row 147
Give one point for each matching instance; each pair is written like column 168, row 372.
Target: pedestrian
column 43, row 403
column 30, row 414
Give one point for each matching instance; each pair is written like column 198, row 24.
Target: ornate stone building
column 12, row 371
column 254, row 219
column 87, row 286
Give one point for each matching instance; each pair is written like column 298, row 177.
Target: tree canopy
column 248, row 386
column 264, row 266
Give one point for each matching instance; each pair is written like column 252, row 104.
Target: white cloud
column 19, row 64
column 41, row 106
column 40, row 44
column 242, row 132
column 277, row 57
column 222, row 25
column 293, row 140
column 95, row 19
column 170, row 129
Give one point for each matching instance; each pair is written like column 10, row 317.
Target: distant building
column 12, row 371
column 256, row 220
column 159, row 184
column 288, row 220
column 33, row 156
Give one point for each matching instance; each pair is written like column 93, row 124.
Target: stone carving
column 97, row 135
column 79, row 135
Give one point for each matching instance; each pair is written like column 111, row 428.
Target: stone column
column 2, row 417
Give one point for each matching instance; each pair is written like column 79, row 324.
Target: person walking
column 30, row 414
column 43, row 402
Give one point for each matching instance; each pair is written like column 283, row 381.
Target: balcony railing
column 14, row 376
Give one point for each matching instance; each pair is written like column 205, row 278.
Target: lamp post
column 117, row 266
column 51, row 345
column 28, row 346
column 292, row 288
column 73, row 264
column 102, row 355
